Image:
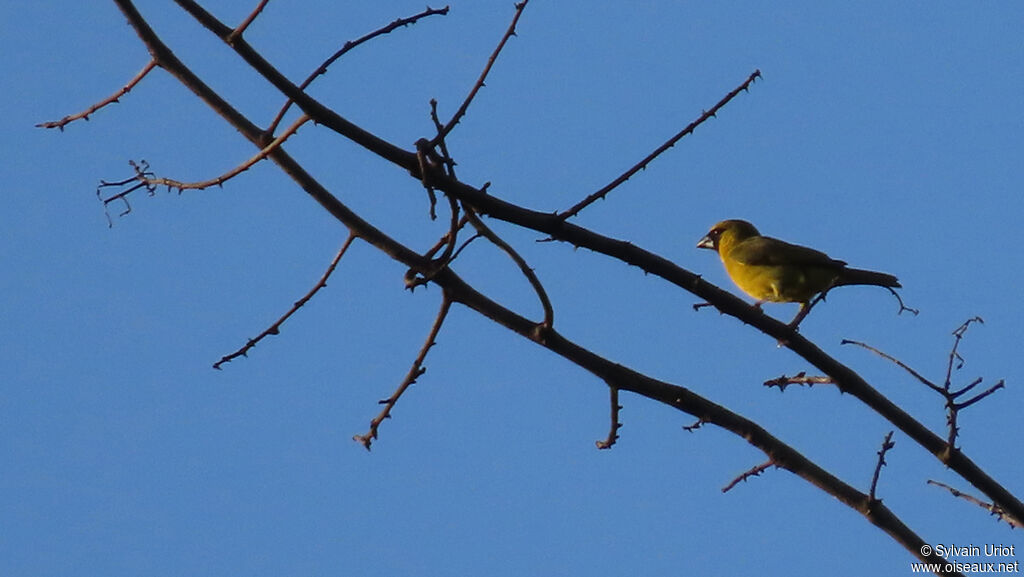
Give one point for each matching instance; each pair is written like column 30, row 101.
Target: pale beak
column 707, row 242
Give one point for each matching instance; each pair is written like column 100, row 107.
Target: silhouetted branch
column 958, row 335
column 240, row 29
column 953, row 408
column 903, row 307
column 613, row 431
column 897, row 362
column 276, row 327
column 415, row 371
column 887, row 443
column 115, row 97
column 991, row 508
column 349, row 45
column 449, row 168
column 172, row 184
column 139, row 181
column 696, row 425
column 531, row 277
column 800, row 378
column 753, row 472
column 669, row 144
column 520, row 6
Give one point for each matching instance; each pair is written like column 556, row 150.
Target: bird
column 772, row 270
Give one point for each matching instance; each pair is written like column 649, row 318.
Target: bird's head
column 726, row 233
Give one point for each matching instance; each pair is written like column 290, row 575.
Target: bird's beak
column 707, row 242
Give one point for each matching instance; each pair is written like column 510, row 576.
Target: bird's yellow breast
column 778, row 283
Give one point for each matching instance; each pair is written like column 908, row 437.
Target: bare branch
column 887, row 443
column 449, row 168
column 613, row 431
column 220, row 180
column 115, row 97
column 520, row 6
column 137, row 182
column 669, row 144
column 800, row 378
column 752, row 472
column 948, row 394
column 531, row 277
column 990, row 507
column 898, row 363
column 415, row 371
column 240, row 29
column 276, row 327
column 349, row 45
column 979, row 396
column 958, row 335
column 696, row 425
column 903, row 307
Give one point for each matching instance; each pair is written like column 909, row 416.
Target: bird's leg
column 805, row 308
column 800, row 314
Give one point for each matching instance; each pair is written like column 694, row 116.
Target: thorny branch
column 482, row 229
column 954, row 355
column 415, row 371
column 115, row 97
column 520, row 6
column 150, row 182
column 657, row 152
column 349, row 45
column 700, row 422
column 990, row 507
column 800, row 378
column 140, row 180
column 887, row 444
column 449, row 168
column 276, row 327
column 531, row 276
column 238, row 31
column 752, row 472
column 953, row 407
column 613, row 431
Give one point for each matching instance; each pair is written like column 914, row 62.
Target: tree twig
column 800, row 378
column 752, row 472
column 180, row 186
column 590, row 199
column 887, row 443
column 613, row 431
column 990, row 507
column 276, row 327
column 415, row 371
column 115, row 97
column 950, row 396
column 349, row 45
column 240, row 29
column 520, row 6
column 958, row 336
column 897, row 362
column 531, row 276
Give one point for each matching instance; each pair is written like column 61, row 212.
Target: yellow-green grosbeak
column 771, row 270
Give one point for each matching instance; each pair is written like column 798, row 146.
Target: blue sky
column 889, row 135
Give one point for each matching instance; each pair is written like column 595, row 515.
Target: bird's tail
column 870, row 277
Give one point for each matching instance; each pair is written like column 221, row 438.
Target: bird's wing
column 767, row 251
